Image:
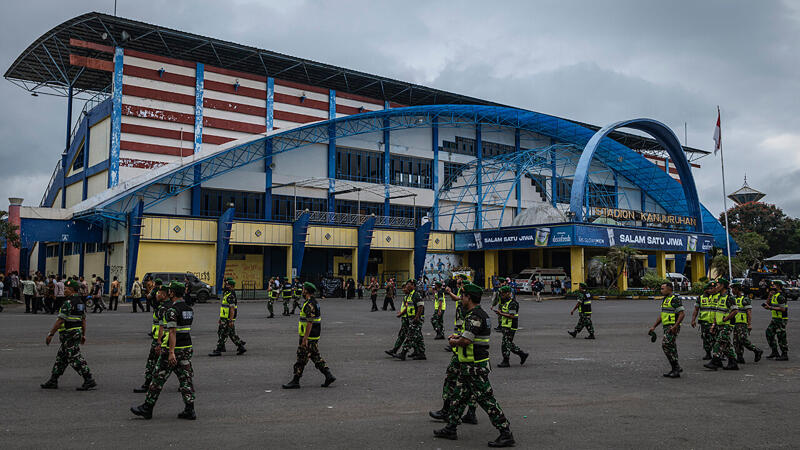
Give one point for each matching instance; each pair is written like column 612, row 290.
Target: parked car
column 680, row 281
column 196, row 290
column 524, row 279
column 753, row 289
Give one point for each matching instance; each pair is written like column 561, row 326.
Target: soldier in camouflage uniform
column 725, row 311
column 742, row 326
column 298, row 294
column 584, row 307
column 272, row 295
column 309, row 329
column 71, row 327
column 176, row 356
column 672, row 314
column 227, row 320
column 704, row 312
column 472, row 348
column 414, row 310
column 157, row 332
column 509, row 317
column 286, row 294
column 459, row 319
column 776, row 331
column 439, row 307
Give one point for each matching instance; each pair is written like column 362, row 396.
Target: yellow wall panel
column 200, row 259
column 392, row 239
column 179, row 229
column 93, row 264
column 246, row 272
column 51, row 266
column 96, row 184
column 74, row 193
column 332, row 237
column 261, row 233
column 99, row 140
column 72, row 265
column 440, row 242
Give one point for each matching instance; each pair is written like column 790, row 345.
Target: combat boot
column 438, row 337
column 448, row 432
column 329, row 378
column 391, row 352
column 774, row 354
column 188, row 412
column 216, row 352
column 731, row 365
column 714, row 364
column 144, row 388
column 470, row 416
column 523, row 357
column 294, row 384
column 241, row 350
column 419, row 357
column 591, row 336
column 88, row 384
column 758, row 352
column 572, row 333
column 440, row 414
column 52, row 383
column 270, row 316
column 401, row 356
column 506, row 439
column 675, row 372
column 504, row 363
column 707, row 357
column 223, row 349
column 784, row 357
column 740, row 359
column 144, row 410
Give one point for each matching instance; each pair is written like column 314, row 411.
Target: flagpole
column 725, row 200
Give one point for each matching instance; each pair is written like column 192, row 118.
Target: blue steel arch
column 665, row 137
column 175, row 179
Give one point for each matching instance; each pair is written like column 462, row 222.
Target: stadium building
column 200, row 155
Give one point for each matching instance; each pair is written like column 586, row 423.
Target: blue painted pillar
column 224, row 225
column 134, row 234
column 331, row 153
column 616, row 189
column 421, row 236
column 116, row 120
column 435, row 169
column 364, row 244
column 85, row 187
column 81, row 257
column 60, row 259
column 518, row 159
column 299, row 233
column 198, row 135
column 41, row 264
column 387, row 167
column 64, row 180
column 680, row 262
column 106, row 271
column 553, row 178
column 268, row 149
column 478, row 178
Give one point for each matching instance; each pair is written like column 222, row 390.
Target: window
column 283, row 206
column 78, row 161
column 359, row 165
column 467, row 146
column 564, row 187
column 417, row 213
column 247, row 205
column 52, row 251
column 354, row 207
column 410, row 171
column 451, row 172
column 602, row 195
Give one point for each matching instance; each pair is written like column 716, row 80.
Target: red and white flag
column 717, row 135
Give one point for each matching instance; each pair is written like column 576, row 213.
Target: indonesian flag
column 717, row 135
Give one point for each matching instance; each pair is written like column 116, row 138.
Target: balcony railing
column 355, row 219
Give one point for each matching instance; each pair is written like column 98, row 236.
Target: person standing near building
column 776, row 331
column 97, row 296
column 509, row 321
column 414, row 307
column 41, row 291
column 159, row 335
column 388, row 300
column 704, row 312
column 725, row 310
column 309, row 329
column 743, row 325
column 272, row 295
column 14, row 286
column 672, row 314
column 113, row 296
column 297, row 294
column 458, row 322
column 472, row 347
column 373, row 293
column 50, row 295
column 59, row 293
column 176, row 356
column 537, row 287
column 71, row 327
column 403, row 334
column 286, row 294
column 584, row 307
column 136, row 294
column 28, row 291
column 439, row 307
column 227, row 320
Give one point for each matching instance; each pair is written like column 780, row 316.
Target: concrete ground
column 572, row 393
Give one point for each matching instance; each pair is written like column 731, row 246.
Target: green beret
column 474, row 289
column 163, row 288
column 583, row 285
column 230, row 281
column 505, row 289
column 438, row 283
column 177, row 285
column 72, row 284
column 309, row 287
column 723, row 281
column 158, row 281
column 463, row 277
column 777, row 282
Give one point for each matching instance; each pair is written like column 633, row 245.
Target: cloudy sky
column 597, row 62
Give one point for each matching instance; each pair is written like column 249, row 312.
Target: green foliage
column 603, row 269
column 616, row 293
column 753, row 246
column 618, row 257
column 720, row 264
column 781, row 232
column 652, row 281
column 7, row 231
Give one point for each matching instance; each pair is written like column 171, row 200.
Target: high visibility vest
column 586, row 305
column 411, row 307
column 741, row 316
column 316, row 322
column 74, row 317
column 478, row 350
column 668, row 314
column 706, row 309
column 184, row 318
column 722, row 309
column 508, row 322
column 286, row 293
column 298, row 290
column 439, row 301
column 780, row 315
column 459, row 322
column 225, row 307
column 156, row 322
column 273, row 293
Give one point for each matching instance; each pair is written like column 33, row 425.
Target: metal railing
column 50, row 184
column 96, row 99
column 355, row 219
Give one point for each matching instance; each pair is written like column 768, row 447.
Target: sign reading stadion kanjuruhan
column 641, row 216
column 582, row 235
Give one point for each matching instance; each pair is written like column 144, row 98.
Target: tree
column 8, row 232
column 719, row 265
column 602, row 269
column 764, row 219
column 619, row 257
column 752, row 246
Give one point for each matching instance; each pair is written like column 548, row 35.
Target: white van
column 525, row 278
column 679, row 279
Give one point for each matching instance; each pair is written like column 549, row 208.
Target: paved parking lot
column 572, row 393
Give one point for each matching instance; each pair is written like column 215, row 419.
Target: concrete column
column 12, row 253
column 671, row 266
column 289, row 262
column 698, row 266
column 622, row 281
column 491, row 264
column 577, row 268
column 661, row 263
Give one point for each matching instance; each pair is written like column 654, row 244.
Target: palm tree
column 602, row 269
column 619, row 257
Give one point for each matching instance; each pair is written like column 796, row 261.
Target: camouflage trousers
column 295, row 304
column 437, row 320
column 311, row 351
column 707, row 336
column 286, row 306
column 227, row 329
column 69, row 354
column 183, row 370
column 450, row 380
column 270, row 302
column 414, row 339
column 776, row 335
column 473, row 382
column 722, row 342
column 669, row 344
column 584, row 321
column 402, row 334
column 152, row 361
column 741, row 339
column 508, row 346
